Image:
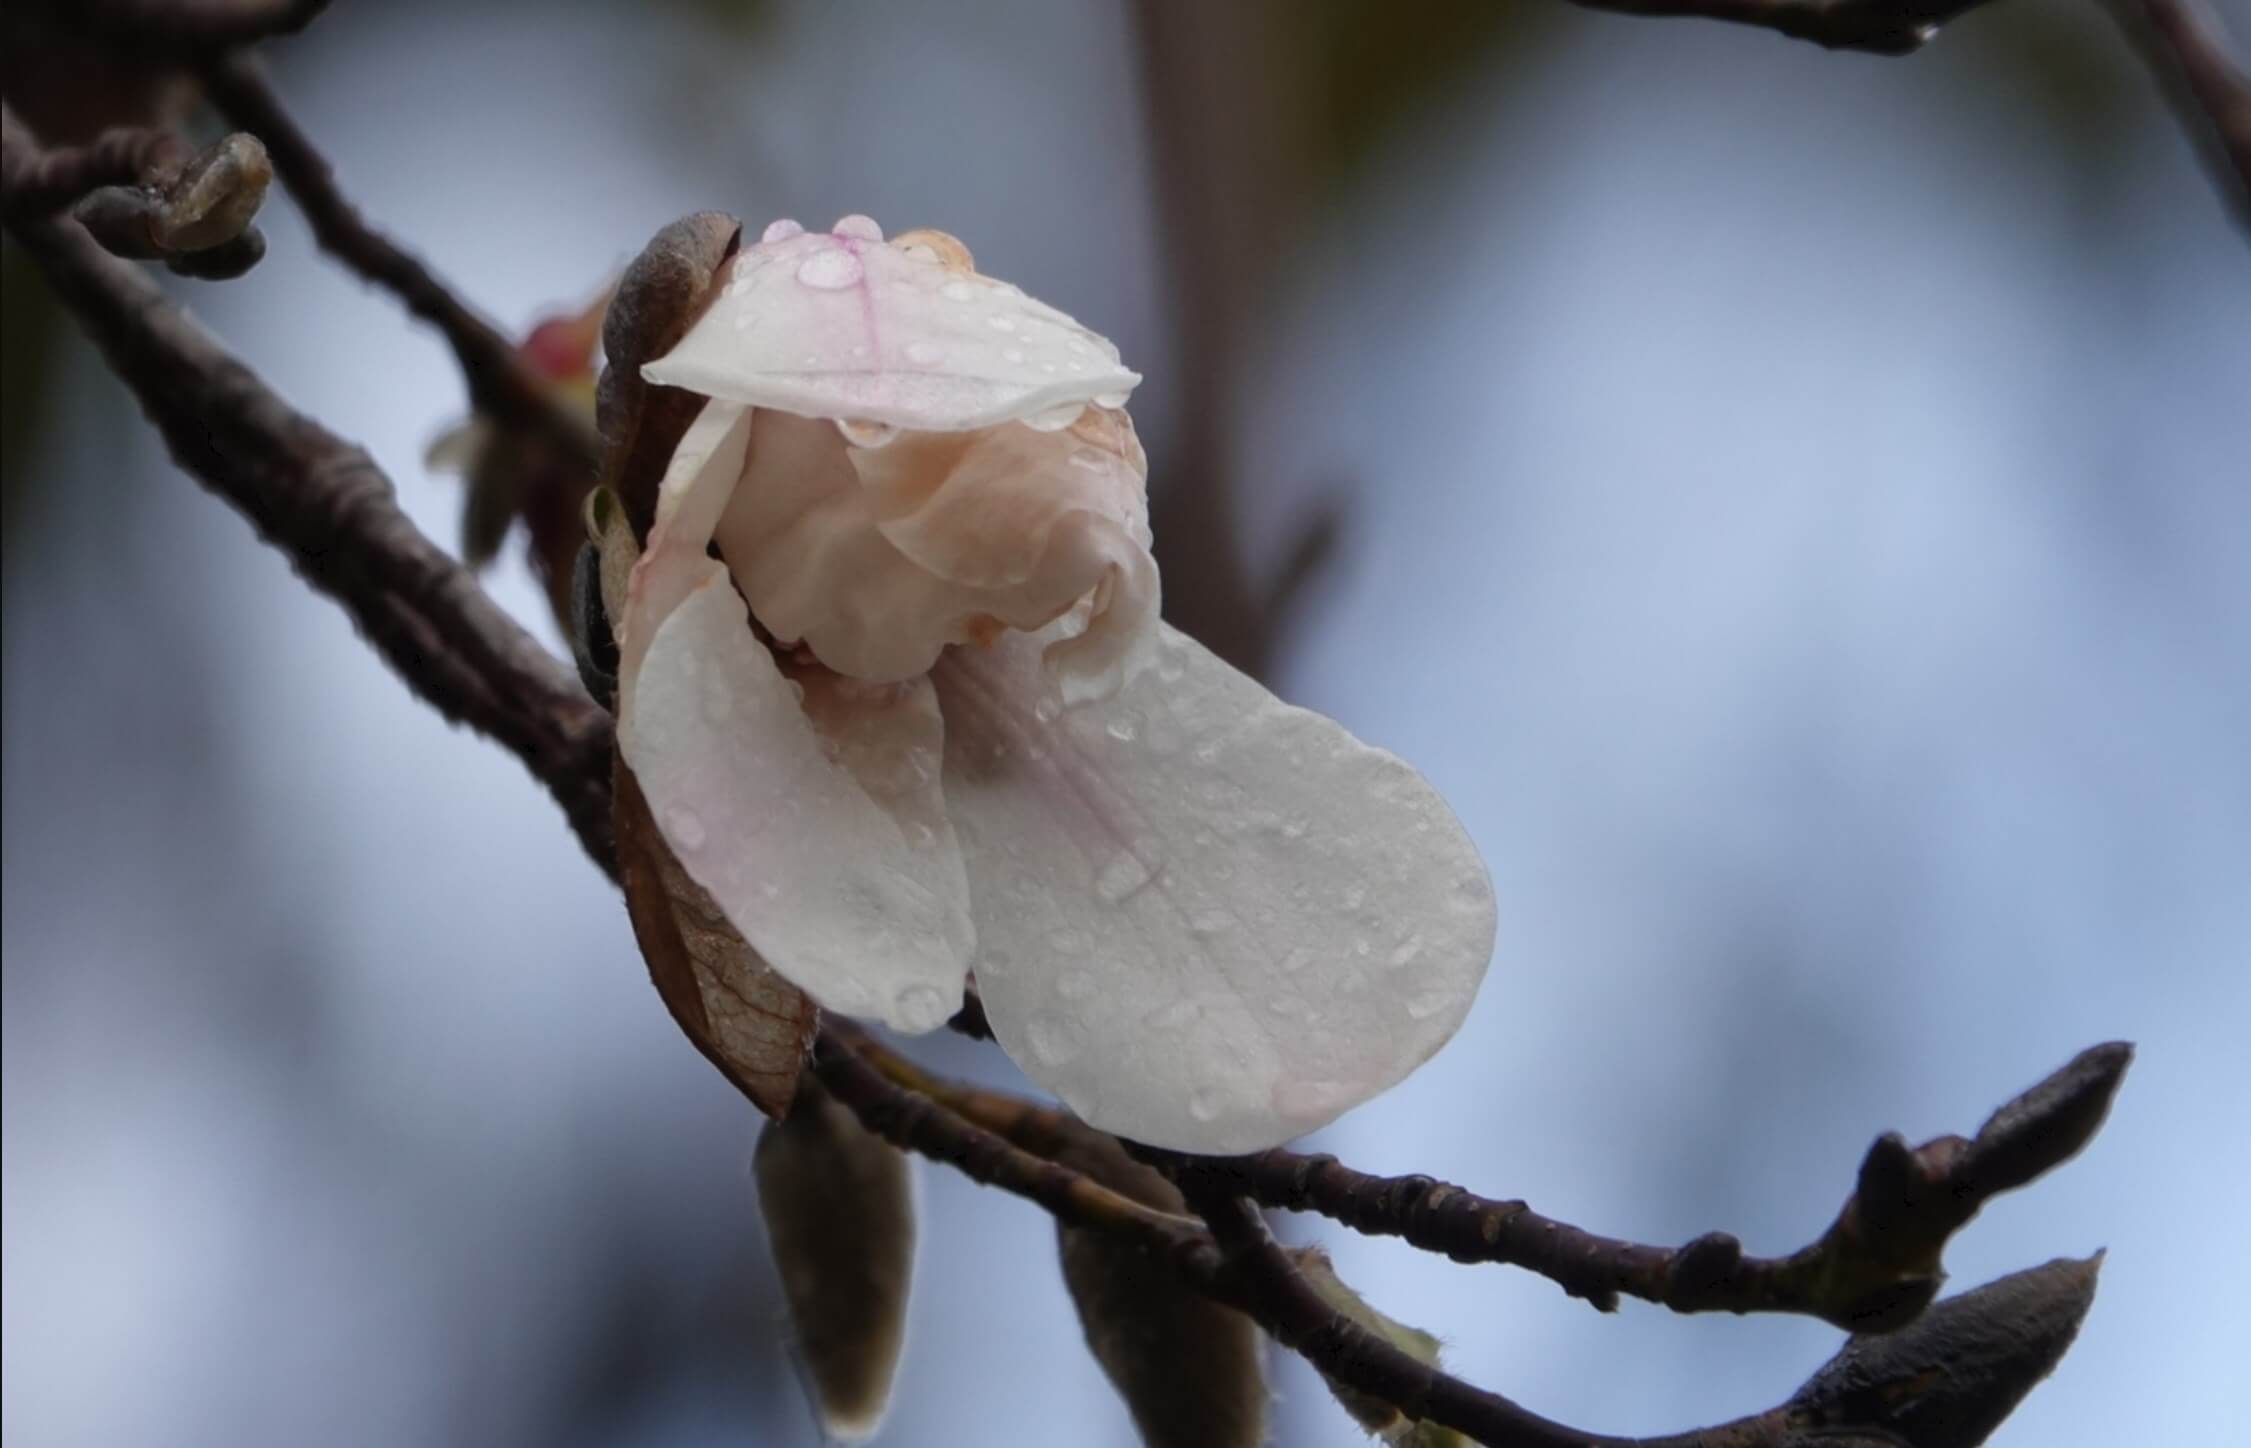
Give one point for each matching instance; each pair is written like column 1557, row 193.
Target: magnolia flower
column 893, row 682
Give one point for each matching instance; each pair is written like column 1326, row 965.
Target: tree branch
column 499, row 382
column 36, row 182
column 324, row 503
column 194, row 25
column 1875, row 1268
column 2190, row 53
column 1880, row 27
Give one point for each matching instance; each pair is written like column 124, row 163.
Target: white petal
column 843, row 327
column 1207, row 920
column 827, row 848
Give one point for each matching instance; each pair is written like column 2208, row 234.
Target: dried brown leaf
column 754, row 1026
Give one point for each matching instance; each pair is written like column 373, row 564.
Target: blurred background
column 1792, row 504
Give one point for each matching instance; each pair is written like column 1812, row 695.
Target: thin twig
column 1881, row 27
column 500, row 383
column 1874, row 1269
column 324, row 503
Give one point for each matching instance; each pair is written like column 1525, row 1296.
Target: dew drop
column 832, row 268
column 957, row 291
column 1012, row 354
column 1428, row 1003
column 781, row 230
column 1204, row 1103
column 1407, row 950
column 857, row 227
column 1122, row 730
column 919, row 1008
column 1093, row 459
column 1121, row 877
column 925, row 354
column 1055, row 419
column 1298, row 959
column 862, row 433
column 1046, row 710
column 1075, row 985
column 1069, row 942
column 683, row 827
column 1211, row 922
column 1000, row 322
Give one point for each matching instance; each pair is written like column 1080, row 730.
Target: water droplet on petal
column 1211, row 922
column 683, row 827
column 1111, row 399
column 1298, row 959
column 1093, row 459
column 862, row 433
column 830, row 269
column 1407, row 950
column 781, row 230
column 1121, row 877
column 858, row 227
column 957, row 291
column 1046, row 710
column 1055, row 419
column 1428, row 1003
column 1069, row 942
column 1001, row 322
column 1204, row 1103
column 1075, row 985
column 1122, row 730
column 925, row 354
column 919, row 1008
column 1011, row 354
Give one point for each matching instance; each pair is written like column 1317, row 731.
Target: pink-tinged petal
column 975, row 507
column 817, row 826
column 839, row 326
column 808, row 544
column 1207, row 920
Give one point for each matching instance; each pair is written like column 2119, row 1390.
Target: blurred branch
column 194, row 24
column 1880, row 27
column 2182, row 39
column 34, row 182
column 2195, row 66
column 324, row 503
column 1226, row 183
column 500, row 383
column 142, row 195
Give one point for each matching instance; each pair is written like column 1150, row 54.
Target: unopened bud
column 839, row 1210
column 1188, row 1368
column 1379, row 1417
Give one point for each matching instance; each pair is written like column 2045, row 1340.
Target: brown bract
column 754, row 1026
column 659, row 298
